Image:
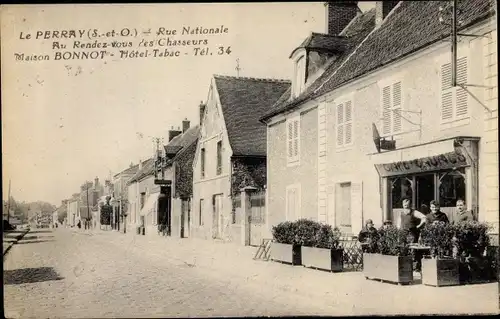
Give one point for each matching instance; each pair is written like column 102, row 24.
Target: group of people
column 413, row 220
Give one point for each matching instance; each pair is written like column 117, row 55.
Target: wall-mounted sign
column 163, row 182
column 449, row 160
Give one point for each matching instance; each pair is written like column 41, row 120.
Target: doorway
column 185, row 218
column 217, row 217
column 164, row 210
column 425, row 190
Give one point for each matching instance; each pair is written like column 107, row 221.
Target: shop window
column 401, row 187
column 451, row 187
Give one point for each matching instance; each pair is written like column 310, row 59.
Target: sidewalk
column 349, row 290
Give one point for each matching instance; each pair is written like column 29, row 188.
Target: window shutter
column 348, row 122
column 461, row 98
column 295, row 138
column 446, row 93
column 289, row 138
column 396, row 107
column 386, row 109
column 340, row 124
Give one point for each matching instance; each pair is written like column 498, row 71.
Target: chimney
column 131, row 164
column 382, row 9
column 185, row 125
column 140, row 164
column 339, row 14
column 173, row 133
column 96, row 182
column 202, row 111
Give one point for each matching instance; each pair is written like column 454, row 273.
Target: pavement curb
column 18, row 238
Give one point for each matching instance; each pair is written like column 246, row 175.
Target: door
column 257, row 218
column 185, row 218
column 343, row 208
column 217, row 216
column 425, row 191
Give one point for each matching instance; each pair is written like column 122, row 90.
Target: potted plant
column 284, row 246
column 440, row 268
column 390, row 260
column 323, row 251
column 471, row 241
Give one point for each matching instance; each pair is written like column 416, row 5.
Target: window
column 219, row 157
column 300, row 76
column 202, row 163
column 446, row 186
column 293, row 202
column 200, row 217
column 293, row 140
column 344, row 123
column 143, row 199
column 454, row 100
column 391, row 108
column 343, row 207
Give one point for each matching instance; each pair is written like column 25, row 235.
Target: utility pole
column 8, row 205
column 88, row 208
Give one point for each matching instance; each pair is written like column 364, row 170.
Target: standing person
column 462, row 213
column 436, row 215
column 411, row 219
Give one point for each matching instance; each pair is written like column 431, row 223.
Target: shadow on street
column 30, row 275
column 40, row 231
column 23, row 242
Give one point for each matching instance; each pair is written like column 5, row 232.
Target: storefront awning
column 445, row 154
column 150, row 205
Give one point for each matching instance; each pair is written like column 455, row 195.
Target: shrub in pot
column 323, row 250
column 284, row 246
column 440, row 268
column 391, row 259
column 471, row 241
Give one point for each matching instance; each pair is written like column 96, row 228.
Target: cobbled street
column 65, row 273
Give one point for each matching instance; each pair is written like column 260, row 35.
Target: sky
column 67, row 121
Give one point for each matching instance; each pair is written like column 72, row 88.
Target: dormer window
column 300, row 76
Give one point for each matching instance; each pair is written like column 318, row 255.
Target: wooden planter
column 321, row 258
column 396, row 269
column 286, row 253
column 440, row 272
column 475, row 270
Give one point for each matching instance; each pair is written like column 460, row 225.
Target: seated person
column 436, row 214
column 367, row 235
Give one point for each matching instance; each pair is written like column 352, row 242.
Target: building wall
column 488, row 164
column 280, row 176
column 420, row 76
column 212, row 131
column 133, row 206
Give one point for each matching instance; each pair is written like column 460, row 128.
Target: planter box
column 321, row 258
column 286, row 253
column 397, row 269
column 440, row 272
column 475, row 270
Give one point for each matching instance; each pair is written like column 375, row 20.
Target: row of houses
column 370, row 116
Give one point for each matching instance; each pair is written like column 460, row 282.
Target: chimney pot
column 382, row 9
column 185, row 125
column 339, row 14
column 202, row 111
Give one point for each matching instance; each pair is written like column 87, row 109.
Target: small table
column 419, row 248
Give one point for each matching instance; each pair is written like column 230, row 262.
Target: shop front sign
column 445, row 161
